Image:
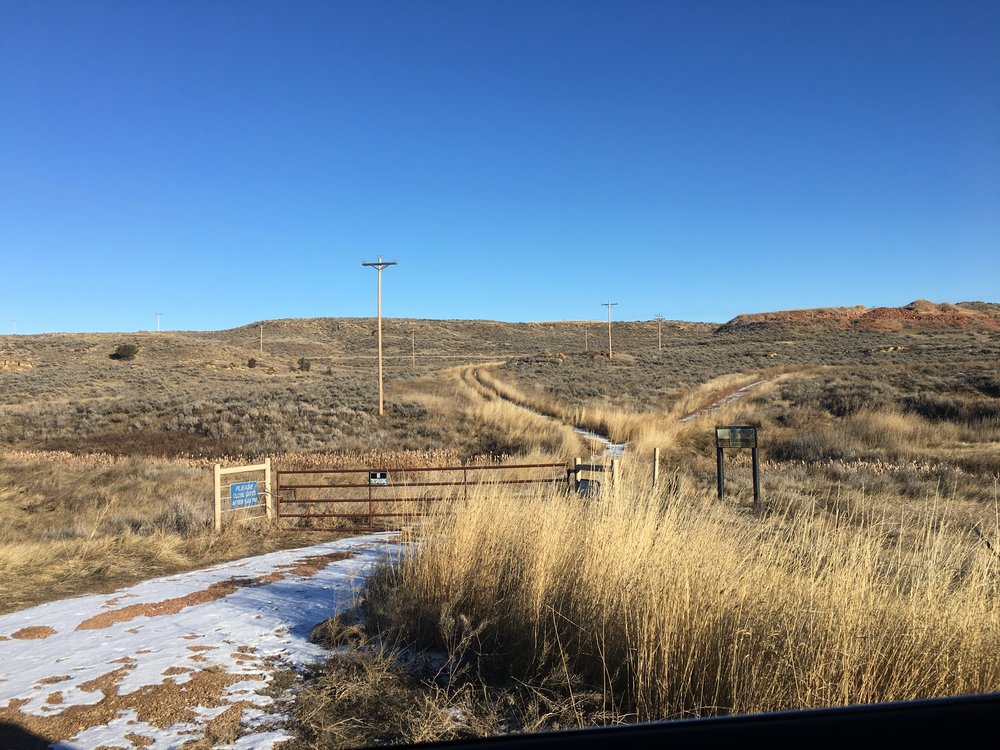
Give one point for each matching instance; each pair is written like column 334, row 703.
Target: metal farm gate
column 394, row 493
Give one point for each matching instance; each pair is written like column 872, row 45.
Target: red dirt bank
column 920, row 313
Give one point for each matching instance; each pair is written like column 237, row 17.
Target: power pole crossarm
column 380, row 265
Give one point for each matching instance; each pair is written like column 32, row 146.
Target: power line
column 609, row 305
column 379, row 266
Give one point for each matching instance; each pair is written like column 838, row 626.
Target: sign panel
column 378, row 478
column 243, row 495
column 736, row 436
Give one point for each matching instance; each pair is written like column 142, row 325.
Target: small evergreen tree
column 304, row 364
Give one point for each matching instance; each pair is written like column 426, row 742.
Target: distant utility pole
column 380, row 265
column 413, row 349
column 586, row 339
column 659, row 330
column 261, row 325
column 157, row 322
column 609, row 305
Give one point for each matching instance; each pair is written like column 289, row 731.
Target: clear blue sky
column 225, row 162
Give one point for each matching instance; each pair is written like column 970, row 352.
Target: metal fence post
column 277, row 494
column 756, row 478
column 720, row 471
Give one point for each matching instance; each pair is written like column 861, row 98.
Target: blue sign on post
column 243, row 495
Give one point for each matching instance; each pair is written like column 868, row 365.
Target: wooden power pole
column 379, row 266
column 609, row 305
column 659, row 331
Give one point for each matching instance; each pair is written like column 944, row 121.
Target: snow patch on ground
column 241, row 638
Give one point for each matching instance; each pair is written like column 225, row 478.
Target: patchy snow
column 215, row 637
column 725, row 401
column 611, row 450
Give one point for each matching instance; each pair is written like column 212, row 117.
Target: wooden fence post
column 614, row 472
column 268, row 497
column 218, row 497
column 575, row 481
column 656, row 465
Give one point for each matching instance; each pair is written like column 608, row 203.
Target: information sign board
column 378, row 478
column 736, row 436
column 243, row 495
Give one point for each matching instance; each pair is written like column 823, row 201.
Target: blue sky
column 226, row 162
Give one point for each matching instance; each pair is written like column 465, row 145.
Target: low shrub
column 124, row 352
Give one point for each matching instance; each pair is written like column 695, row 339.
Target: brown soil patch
column 166, row 607
column 159, row 705
column 310, row 566
column 201, row 648
column 33, row 633
column 171, row 671
column 222, row 730
column 139, row 740
column 54, row 680
column 54, row 698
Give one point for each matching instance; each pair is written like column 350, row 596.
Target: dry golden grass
column 460, row 399
column 669, row 604
column 76, row 524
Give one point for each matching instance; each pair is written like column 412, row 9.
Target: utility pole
column 157, row 322
column 413, row 349
column 659, row 330
column 586, row 339
column 609, row 305
column 261, row 324
column 379, row 266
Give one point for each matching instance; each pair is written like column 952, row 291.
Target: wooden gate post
column 574, row 482
column 218, row 497
column 268, row 497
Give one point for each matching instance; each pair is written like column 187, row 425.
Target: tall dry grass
column 668, row 604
